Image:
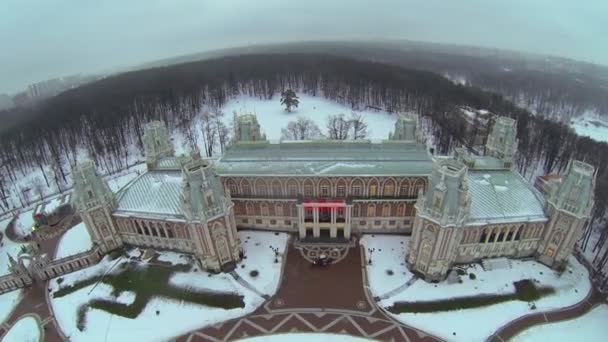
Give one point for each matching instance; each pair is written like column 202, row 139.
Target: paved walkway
column 516, row 326
column 34, row 302
column 321, row 300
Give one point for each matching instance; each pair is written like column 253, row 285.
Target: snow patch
column 74, row 241
column 25, row 330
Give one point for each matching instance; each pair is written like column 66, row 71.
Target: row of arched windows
column 264, row 209
column 356, row 187
column 155, row 229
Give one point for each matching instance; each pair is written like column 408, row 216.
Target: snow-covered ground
column 273, row 117
column 590, row 327
column 175, row 317
column 75, row 240
column 24, row 330
column 571, row 287
column 302, row 337
column 388, row 255
column 8, row 302
column 591, row 126
column 24, row 223
column 260, row 257
column 8, row 247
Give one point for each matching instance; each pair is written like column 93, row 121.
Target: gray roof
column 503, row 196
column 332, row 158
column 153, row 192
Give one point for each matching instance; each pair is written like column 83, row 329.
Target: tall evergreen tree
column 289, row 99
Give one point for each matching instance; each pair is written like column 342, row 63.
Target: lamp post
column 370, row 251
column 276, row 253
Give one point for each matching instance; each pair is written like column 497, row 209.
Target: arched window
column 341, row 188
column 232, row 187
column 264, row 209
column 389, row 188
column 373, row 188
column 278, row 209
column 260, row 188
column 292, row 188
column 277, row 188
column 356, row 188
column 386, row 210
column 371, row 210
column 484, row 236
column 324, row 188
column 404, row 188
column 249, row 208
column 308, row 188
column 401, row 210
column 246, row 187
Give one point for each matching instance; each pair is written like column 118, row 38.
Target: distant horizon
column 47, row 40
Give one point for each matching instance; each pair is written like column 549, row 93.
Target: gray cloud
column 41, row 39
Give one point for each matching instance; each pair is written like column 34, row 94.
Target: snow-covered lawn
column 8, row 247
column 590, row 327
column 591, row 126
column 174, row 317
column 388, row 255
column 260, row 257
column 571, row 287
column 302, row 337
column 75, row 240
column 24, row 223
column 273, row 117
column 8, row 302
column 24, row 330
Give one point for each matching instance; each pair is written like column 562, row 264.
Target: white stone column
column 301, row 226
column 315, row 228
column 333, row 231
column 347, row 220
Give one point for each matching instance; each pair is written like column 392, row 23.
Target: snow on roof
column 326, row 158
column 154, row 192
column 503, row 196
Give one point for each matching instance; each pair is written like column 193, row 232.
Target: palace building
column 457, row 209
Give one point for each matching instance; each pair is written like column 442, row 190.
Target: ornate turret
column 568, row 207
column 247, row 128
column 156, row 143
column 95, row 202
column 447, row 200
column 202, row 195
column 440, row 215
column 502, row 141
column 90, row 190
column 406, row 129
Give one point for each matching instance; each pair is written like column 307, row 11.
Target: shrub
column 389, row 272
column 460, row 272
column 254, row 273
column 81, row 317
column 59, row 280
column 472, row 276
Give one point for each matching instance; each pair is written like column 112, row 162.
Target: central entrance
column 324, row 219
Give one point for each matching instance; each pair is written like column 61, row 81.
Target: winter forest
column 104, row 120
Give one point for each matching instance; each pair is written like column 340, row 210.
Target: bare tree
column 209, row 132
column 38, row 187
column 338, row 127
column 222, row 130
column 358, row 126
column 301, row 129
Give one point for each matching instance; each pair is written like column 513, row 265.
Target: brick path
column 323, row 300
column 509, row 330
column 34, row 302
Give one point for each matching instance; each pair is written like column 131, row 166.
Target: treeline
column 106, row 117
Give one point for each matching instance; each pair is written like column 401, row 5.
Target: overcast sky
column 41, row 39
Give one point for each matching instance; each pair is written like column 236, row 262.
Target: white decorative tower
column 95, row 202
column 568, row 207
column 210, row 216
column 406, row 129
column 247, row 128
column 440, row 215
column 156, row 143
column 502, row 141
